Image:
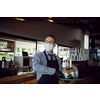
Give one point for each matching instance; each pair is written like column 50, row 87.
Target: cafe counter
column 17, row 79
column 28, row 78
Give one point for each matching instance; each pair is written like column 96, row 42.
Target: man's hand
column 55, row 71
column 59, row 74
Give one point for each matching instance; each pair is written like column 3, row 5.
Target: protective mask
column 48, row 47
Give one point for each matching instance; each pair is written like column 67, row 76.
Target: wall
column 39, row 30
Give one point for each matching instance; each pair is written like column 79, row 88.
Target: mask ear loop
column 54, row 44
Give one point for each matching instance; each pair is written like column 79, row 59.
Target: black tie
column 51, row 57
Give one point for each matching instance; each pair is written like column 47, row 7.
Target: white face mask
column 48, row 47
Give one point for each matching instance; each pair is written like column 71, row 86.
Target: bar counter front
column 28, row 78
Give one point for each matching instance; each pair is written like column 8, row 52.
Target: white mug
column 65, row 74
column 72, row 73
column 64, row 64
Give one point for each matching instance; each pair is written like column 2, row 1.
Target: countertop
column 18, row 78
column 13, row 71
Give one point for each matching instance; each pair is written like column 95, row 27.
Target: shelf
column 6, row 45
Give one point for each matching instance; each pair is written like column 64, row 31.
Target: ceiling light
column 50, row 20
column 19, row 19
column 50, row 17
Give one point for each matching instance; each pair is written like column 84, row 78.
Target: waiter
column 46, row 64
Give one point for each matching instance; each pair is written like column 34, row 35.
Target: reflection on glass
column 8, row 55
column 93, row 56
column 55, row 51
column 40, row 46
column 64, row 52
column 25, row 46
column 5, row 46
column 98, row 54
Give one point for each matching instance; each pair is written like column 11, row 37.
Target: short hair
column 52, row 36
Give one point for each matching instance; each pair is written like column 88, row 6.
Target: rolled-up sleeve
column 40, row 68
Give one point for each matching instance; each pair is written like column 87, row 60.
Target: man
column 46, row 64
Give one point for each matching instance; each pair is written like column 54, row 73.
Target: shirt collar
column 48, row 53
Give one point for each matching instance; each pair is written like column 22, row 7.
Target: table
column 73, row 79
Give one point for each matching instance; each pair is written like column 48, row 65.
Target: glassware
column 75, row 70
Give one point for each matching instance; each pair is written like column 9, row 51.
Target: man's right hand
column 59, row 74
column 55, row 71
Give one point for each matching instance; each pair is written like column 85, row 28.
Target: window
column 6, row 45
column 64, row 52
column 55, row 50
column 25, row 46
column 86, row 42
column 98, row 54
column 7, row 55
column 40, row 46
column 6, row 49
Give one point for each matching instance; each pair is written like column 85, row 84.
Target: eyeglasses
column 51, row 42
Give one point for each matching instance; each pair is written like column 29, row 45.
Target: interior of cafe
column 77, row 41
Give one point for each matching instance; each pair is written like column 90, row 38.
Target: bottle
column 67, row 64
column 3, row 62
column 64, row 64
column 76, row 72
column 70, row 63
column 11, row 63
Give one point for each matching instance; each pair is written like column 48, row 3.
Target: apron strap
column 55, row 57
column 47, row 57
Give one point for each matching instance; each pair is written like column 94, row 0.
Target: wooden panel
column 29, row 78
column 30, row 82
column 33, row 81
column 18, row 79
column 60, row 82
column 71, row 82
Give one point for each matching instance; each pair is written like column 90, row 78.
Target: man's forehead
column 50, row 38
